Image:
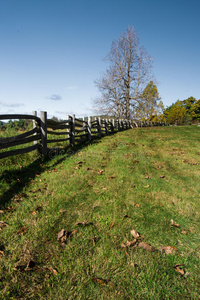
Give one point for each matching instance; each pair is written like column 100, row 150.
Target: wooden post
column 34, row 125
column 99, row 128
column 113, row 125
column 69, row 123
column 96, row 124
column 118, row 124
column 43, row 124
column 89, row 128
column 122, row 121
column 106, row 126
column 73, row 130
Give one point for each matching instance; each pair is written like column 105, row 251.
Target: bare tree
column 124, row 80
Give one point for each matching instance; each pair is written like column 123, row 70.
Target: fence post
column 122, row 121
column 34, row 125
column 43, row 118
column 118, row 124
column 73, row 130
column 99, row 127
column 96, row 124
column 113, row 125
column 106, row 124
column 89, row 128
column 69, row 124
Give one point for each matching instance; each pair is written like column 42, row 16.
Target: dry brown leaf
column 111, row 225
column 162, row 176
column 2, row 224
column 131, row 243
column 1, row 253
column 111, row 177
column 63, row 235
column 135, row 234
column 136, row 204
column 52, row 270
column 100, row 172
column 183, row 231
column 100, row 280
column 168, row 250
column 179, row 270
column 147, row 177
column 22, row 230
column 146, row 246
column 126, row 216
column 39, row 208
column 174, row 224
column 84, row 223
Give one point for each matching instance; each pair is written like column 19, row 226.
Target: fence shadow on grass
column 22, row 177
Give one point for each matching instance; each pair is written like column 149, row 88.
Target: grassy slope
column 67, row 192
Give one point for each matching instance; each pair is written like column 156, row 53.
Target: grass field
column 115, row 219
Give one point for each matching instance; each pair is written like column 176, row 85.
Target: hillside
column 115, row 219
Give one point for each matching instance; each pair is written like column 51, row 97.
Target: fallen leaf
column 148, row 177
column 100, row 172
column 146, row 247
column 111, row 225
column 183, row 231
column 39, row 208
column 131, row 243
column 88, row 169
column 126, row 216
column 168, row 250
column 52, row 270
column 80, row 162
column 174, row 224
column 63, row 235
column 162, row 176
column 179, row 270
column 2, row 223
column 84, row 223
column 111, row 177
column 1, row 253
column 104, row 188
column 146, row 186
column 136, row 162
column 21, row 230
column 136, row 204
column 135, row 234
column 100, row 280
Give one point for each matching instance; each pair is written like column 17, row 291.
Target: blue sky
column 51, row 51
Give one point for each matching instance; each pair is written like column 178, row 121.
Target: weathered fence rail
column 46, row 131
column 72, row 131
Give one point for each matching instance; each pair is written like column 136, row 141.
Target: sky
column 51, row 51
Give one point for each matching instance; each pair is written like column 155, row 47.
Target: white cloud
column 55, row 97
column 8, row 104
column 72, row 87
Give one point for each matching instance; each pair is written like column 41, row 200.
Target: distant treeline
column 183, row 112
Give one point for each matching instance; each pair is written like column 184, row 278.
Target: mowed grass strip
column 146, row 179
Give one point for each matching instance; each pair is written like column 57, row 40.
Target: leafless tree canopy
column 126, row 77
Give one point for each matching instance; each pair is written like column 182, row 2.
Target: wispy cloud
column 72, row 87
column 8, row 104
column 55, row 97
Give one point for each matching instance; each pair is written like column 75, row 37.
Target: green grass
column 109, row 184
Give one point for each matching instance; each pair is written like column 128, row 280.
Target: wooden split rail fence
column 72, row 131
